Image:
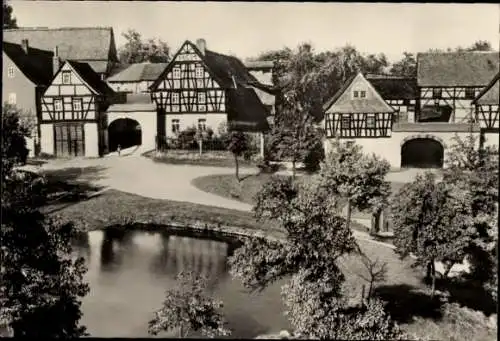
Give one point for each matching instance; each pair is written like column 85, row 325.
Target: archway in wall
column 422, row 153
column 125, row 132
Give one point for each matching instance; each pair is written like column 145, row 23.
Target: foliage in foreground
column 41, row 283
column 317, row 237
column 188, row 308
column 237, row 144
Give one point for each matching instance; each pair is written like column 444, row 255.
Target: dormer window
column 176, row 73
column 199, row 71
column 66, row 77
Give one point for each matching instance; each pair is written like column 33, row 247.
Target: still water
column 129, row 272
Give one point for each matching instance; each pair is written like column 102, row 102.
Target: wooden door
column 69, row 140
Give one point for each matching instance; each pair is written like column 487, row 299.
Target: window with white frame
column 175, row 97
column 58, row 104
column 176, row 72
column 66, row 77
column 199, row 71
column 202, row 124
column 77, row 104
column 345, row 122
column 176, row 126
column 437, row 93
column 201, row 98
column 11, row 72
column 355, row 94
column 362, row 94
column 370, row 122
column 12, row 98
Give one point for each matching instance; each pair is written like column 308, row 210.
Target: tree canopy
column 138, row 50
column 41, row 282
column 9, row 21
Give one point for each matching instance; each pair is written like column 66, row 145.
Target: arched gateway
column 125, row 132
column 422, row 152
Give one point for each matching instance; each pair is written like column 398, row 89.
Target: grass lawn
column 245, row 191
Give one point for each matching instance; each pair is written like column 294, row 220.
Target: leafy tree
column 473, row 172
column 237, row 144
column 316, row 238
column 273, row 55
column 9, row 21
column 136, row 50
column 406, row 67
column 41, row 282
column 480, row 45
column 188, row 309
column 356, row 178
column 14, row 131
column 432, row 222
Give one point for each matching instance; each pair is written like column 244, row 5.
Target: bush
column 314, row 157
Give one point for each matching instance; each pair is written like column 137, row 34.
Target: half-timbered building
column 486, row 105
column 449, row 82
column 357, row 111
column 400, row 93
column 205, row 89
column 73, row 122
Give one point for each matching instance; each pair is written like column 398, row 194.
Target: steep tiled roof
column 394, row 87
column 490, row 94
column 245, row 111
column 84, row 44
column 457, row 68
column 36, row 65
column 342, row 102
column 91, row 78
column 139, row 72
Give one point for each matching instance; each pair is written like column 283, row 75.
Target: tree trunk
column 348, row 214
column 201, row 146
column 181, row 335
column 428, row 272
column 237, row 167
column 433, row 273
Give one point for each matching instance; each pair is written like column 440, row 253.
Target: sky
column 246, row 29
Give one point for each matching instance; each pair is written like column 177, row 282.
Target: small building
column 400, row 93
column 73, row 121
column 205, row 89
column 136, row 78
column 27, row 72
column 92, row 45
column 449, row 82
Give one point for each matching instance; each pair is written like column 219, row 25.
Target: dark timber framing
column 354, row 125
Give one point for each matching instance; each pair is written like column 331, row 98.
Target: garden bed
column 192, row 157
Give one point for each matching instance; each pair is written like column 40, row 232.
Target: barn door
column 69, row 140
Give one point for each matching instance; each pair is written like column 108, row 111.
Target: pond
column 130, row 270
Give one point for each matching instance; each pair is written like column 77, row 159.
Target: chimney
column 201, row 44
column 56, row 62
column 25, row 45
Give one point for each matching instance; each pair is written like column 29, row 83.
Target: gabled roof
column 84, row 44
column 490, row 94
column 391, row 87
column 36, row 65
column 139, row 72
column 90, row 77
column 245, row 111
column 457, row 68
column 221, row 67
column 342, row 101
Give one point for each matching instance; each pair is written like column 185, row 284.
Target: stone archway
column 125, row 132
column 422, row 151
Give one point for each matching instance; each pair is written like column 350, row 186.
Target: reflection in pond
column 130, row 270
